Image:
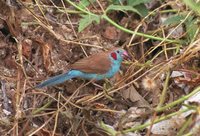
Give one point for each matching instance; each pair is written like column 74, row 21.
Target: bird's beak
column 125, row 55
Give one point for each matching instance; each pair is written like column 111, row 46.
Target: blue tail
column 56, row 80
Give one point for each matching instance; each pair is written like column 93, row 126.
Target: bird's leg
column 106, row 88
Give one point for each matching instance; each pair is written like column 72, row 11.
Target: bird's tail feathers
column 55, row 80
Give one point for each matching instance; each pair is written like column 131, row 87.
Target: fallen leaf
column 45, row 132
column 111, row 33
column 26, row 48
column 134, row 96
column 46, row 53
column 130, row 118
column 167, row 127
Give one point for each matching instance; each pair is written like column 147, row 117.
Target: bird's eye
column 117, row 51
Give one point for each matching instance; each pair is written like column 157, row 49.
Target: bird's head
column 118, row 54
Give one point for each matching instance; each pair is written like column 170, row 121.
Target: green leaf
column 117, row 1
column 136, row 2
column 142, row 9
column 84, row 3
column 87, row 20
column 178, row 46
column 122, row 8
column 191, row 27
column 173, row 20
column 193, row 4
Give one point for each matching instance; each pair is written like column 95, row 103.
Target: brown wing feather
column 98, row 63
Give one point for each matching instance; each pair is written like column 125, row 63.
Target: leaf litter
column 39, row 39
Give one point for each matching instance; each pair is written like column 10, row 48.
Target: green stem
column 104, row 16
column 137, row 33
column 79, row 8
column 178, row 101
column 140, row 127
column 109, row 130
column 185, row 126
column 164, row 92
column 169, row 11
column 42, row 108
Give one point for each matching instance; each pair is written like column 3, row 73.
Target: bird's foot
column 106, row 89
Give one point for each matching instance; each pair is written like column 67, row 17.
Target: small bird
column 95, row 67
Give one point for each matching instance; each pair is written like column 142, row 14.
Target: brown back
column 98, row 63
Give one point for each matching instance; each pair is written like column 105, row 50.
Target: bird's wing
column 98, row 63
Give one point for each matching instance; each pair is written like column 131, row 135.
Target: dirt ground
column 40, row 39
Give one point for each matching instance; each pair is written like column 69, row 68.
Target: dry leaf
column 46, row 53
column 134, row 96
column 26, row 48
column 111, row 33
column 45, row 132
column 167, row 127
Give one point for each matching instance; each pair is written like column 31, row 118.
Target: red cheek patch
column 114, row 55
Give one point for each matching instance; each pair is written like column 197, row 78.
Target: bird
column 99, row 66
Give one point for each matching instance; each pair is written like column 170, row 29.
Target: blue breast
column 115, row 66
column 113, row 70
